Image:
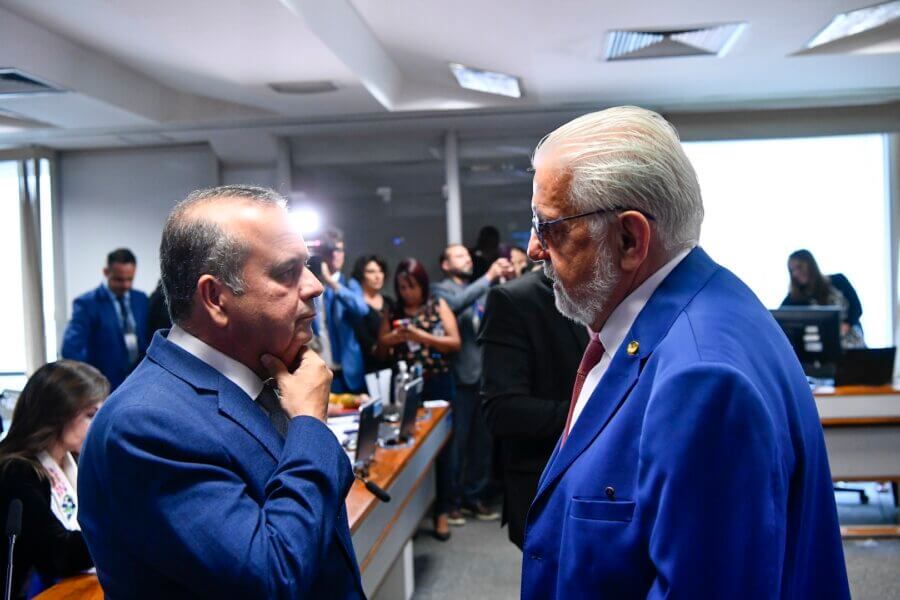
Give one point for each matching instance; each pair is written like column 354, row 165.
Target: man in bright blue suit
column 198, row 478
column 693, row 463
column 108, row 328
column 339, row 309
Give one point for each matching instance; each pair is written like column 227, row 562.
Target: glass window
column 12, row 333
column 766, row 198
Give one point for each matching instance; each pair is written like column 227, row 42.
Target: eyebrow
column 288, row 264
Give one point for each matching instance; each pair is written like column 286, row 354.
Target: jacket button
column 610, row 492
column 535, row 556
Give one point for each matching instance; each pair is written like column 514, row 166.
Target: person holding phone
column 422, row 330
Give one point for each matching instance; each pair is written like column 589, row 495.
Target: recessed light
column 489, row 82
column 857, row 21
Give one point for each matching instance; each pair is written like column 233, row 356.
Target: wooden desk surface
column 80, row 587
column 385, row 468
column 857, row 390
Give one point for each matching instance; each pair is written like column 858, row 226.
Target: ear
column 634, row 240
column 106, row 272
column 212, row 299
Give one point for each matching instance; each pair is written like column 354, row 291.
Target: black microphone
column 375, row 489
column 13, row 530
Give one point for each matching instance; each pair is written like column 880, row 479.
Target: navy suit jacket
column 94, row 334
column 186, row 490
column 697, row 469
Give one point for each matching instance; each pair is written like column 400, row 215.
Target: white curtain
column 32, row 277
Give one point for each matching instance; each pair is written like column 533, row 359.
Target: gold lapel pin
column 633, row 347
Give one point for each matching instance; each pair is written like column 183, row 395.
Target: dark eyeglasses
column 541, row 228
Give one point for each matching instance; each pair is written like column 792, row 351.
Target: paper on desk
column 435, row 404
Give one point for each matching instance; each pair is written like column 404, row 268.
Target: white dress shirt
column 613, row 332
column 238, row 373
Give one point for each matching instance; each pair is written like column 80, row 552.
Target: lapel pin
column 633, row 347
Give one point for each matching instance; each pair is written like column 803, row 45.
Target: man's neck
column 214, row 339
column 627, row 284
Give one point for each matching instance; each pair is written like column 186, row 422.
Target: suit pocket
column 601, row 510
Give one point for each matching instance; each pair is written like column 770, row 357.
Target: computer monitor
column 367, row 434
column 412, row 397
column 815, row 335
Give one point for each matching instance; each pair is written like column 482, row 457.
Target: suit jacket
column 188, row 491
column 530, row 354
column 345, row 309
column 94, row 334
column 462, row 300
column 697, row 468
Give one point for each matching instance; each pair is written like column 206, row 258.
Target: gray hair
column 193, row 246
column 630, row 157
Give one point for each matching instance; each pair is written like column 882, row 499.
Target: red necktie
column 592, row 355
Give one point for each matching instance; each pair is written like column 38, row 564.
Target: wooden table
column 862, row 435
column 381, row 532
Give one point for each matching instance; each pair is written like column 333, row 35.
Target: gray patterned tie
column 268, row 400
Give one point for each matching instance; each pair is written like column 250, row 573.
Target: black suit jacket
column 530, row 354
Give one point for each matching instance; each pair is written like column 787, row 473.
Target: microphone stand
column 13, row 529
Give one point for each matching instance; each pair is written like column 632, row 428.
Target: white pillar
column 454, row 199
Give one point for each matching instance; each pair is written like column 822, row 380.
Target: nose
column 535, row 252
column 310, row 286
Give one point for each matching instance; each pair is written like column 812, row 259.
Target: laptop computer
column 866, row 366
column 411, row 397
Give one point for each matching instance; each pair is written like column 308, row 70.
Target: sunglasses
column 542, row 228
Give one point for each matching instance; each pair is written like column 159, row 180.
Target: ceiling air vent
column 15, row 82
column 699, row 41
column 303, row 87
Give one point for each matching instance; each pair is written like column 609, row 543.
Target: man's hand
column 330, row 278
column 305, row 391
column 501, row 268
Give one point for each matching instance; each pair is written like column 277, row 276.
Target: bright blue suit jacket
column 697, row 469
column 94, row 334
column 186, row 490
column 345, row 308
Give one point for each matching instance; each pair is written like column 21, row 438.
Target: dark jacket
column 530, row 354
column 44, row 544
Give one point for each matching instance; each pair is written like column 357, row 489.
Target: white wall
column 120, row 198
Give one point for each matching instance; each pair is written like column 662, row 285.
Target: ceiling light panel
column 857, row 21
column 489, row 82
column 714, row 40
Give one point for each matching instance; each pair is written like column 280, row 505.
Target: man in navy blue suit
column 692, row 464
column 198, row 477
column 108, row 328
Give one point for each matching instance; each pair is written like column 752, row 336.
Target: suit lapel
column 650, row 327
column 604, row 402
column 235, row 404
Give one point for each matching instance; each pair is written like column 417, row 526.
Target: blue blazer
column 697, row 468
column 345, row 308
column 187, row 491
column 94, row 334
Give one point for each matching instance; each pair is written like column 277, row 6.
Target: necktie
column 269, row 401
column 128, row 332
column 592, row 355
column 126, row 322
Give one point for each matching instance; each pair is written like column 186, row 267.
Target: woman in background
column 423, row 330
column 371, row 271
column 49, row 424
column 810, row 288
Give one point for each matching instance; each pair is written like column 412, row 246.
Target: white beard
column 585, row 303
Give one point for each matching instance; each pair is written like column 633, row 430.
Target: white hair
column 630, row 157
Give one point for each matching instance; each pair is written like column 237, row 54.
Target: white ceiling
column 173, row 65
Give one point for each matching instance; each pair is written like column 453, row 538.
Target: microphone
column 375, row 489
column 13, row 530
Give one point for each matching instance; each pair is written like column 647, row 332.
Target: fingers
column 274, row 366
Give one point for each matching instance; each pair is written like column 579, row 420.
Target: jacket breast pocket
column 601, row 510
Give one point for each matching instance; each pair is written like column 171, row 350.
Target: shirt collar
column 623, row 317
column 126, row 295
column 236, row 372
